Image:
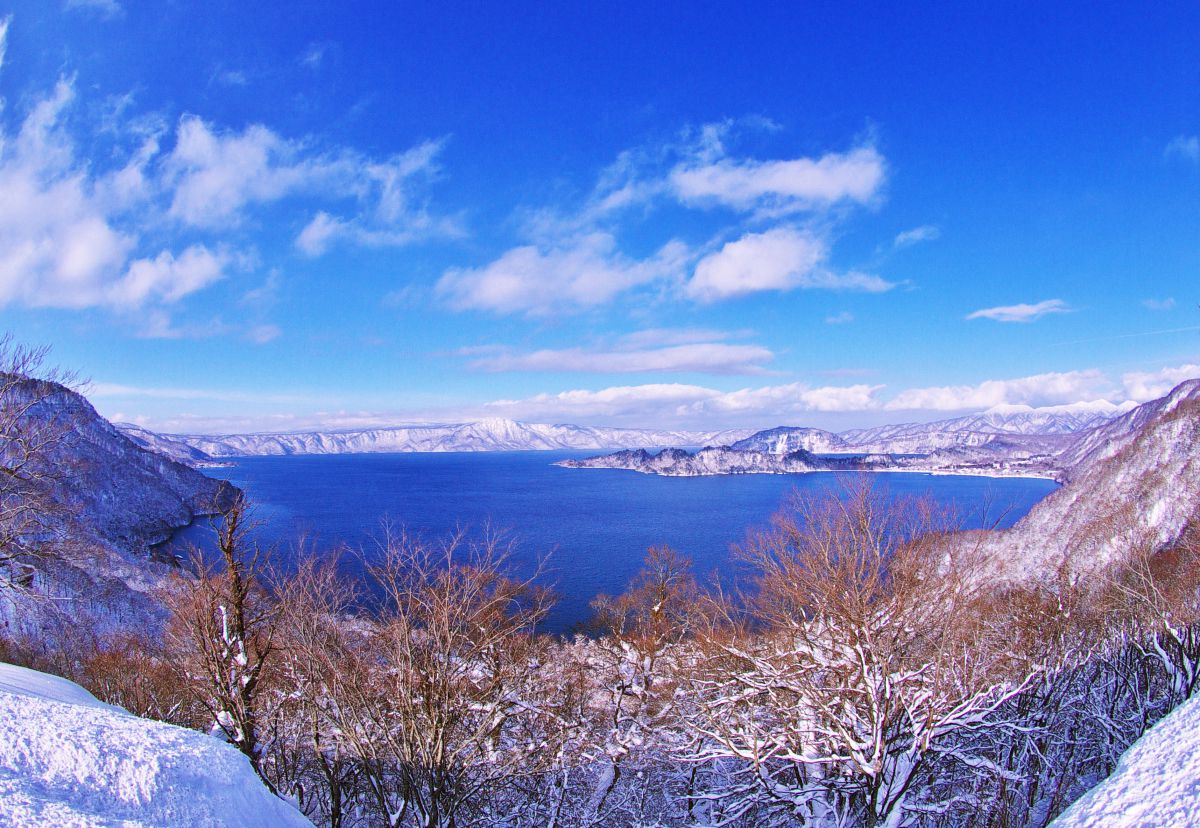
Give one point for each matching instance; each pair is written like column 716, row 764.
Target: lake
column 596, row 524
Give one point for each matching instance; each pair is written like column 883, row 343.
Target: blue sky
column 235, row 216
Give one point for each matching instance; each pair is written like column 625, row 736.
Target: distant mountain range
column 1009, row 441
column 483, row 435
column 497, row 434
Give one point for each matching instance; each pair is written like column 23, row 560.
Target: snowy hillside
column 1133, row 481
column 114, row 500
column 1157, row 781
column 67, row 759
column 485, row 435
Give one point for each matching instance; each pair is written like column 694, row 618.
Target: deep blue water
column 595, row 523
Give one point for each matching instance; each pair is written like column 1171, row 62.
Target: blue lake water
column 596, row 524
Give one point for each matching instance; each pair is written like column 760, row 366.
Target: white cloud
column 1159, row 304
column 215, row 176
column 316, row 236
column 843, row 318
column 780, row 259
column 792, row 398
column 4, row 38
column 781, row 186
column 1151, row 385
column 1022, row 312
column 926, row 232
column 57, row 245
column 168, row 278
column 1037, row 390
column 587, row 272
column 709, row 358
column 1186, row 147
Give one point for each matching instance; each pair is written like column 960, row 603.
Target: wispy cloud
column 706, row 358
column 105, row 8
column 781, row 186
column 1186, row 147
column 107, row 390
column 843, row 318
column 1022, row 312
column 231, row 77
column 314, row 55
column 1159, row 304
column 587, row 272
column 924, row 233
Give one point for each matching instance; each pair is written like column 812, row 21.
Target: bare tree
column 222, row 633
column 635, row 672
column 34, row 424
column 861, row 663
column 431, row 696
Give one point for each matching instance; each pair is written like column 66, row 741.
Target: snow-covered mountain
column 708, row 461
column 497, row 434
column 979, row 429
column 786, row 439
column 68, row 759
column 1015, row 440
column 484, row 435
column 172, row 447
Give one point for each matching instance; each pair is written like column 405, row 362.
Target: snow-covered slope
column 1156, row 783
column 1133, row 481
column 67, row 759
column 485, row 435
column 115, row 501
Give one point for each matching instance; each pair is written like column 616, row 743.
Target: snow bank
column 67, row 759
column 1156, row 783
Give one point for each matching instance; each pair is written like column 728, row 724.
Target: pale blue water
column 595, row 523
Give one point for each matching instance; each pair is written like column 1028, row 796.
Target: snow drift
column 1157, row 781
column 67, row 759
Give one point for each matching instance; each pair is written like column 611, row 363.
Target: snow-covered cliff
column 110, row 502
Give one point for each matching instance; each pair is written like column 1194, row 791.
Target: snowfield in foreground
column 67, row 759
column 1156, row 783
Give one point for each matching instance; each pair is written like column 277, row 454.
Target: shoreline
column 1051, row 476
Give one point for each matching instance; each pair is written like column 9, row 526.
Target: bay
column 595, row 524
